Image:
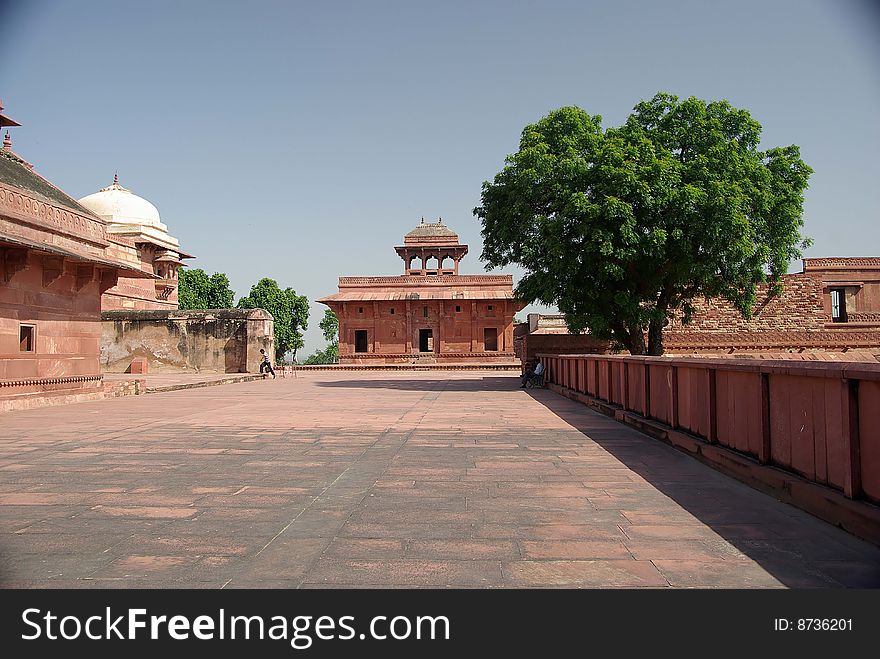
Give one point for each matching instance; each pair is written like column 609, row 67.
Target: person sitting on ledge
column 532, row 373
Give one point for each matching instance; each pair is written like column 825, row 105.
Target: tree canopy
column 330, row 328
column 196, row 290
column 290, row 311
column 623, row 227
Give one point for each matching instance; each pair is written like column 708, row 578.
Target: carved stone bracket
column 12, row 261
column 85, row 275
column 164, row 288
column 53, row 268
column 109, row 278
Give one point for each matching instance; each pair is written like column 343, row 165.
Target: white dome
column 120, row 206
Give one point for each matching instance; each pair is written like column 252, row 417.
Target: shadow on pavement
column 796, row 548
column 492, row 383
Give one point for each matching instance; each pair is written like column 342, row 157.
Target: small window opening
column 838, row 305
column 26, row 338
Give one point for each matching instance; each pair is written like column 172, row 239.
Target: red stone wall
column 136, row 293
column 456, row 334
column 799, row 308
column 67, row 320
column 798, row 319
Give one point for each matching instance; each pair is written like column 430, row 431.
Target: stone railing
column 34, row 382
column 809, row 432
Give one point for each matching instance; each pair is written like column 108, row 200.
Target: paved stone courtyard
column 385, row 479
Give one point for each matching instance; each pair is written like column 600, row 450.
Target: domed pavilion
column 137, row 222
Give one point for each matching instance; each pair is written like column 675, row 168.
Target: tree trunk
column 655, row 337
column 635, row 341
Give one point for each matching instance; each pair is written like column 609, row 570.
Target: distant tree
column 290, row 311
column 196, row 290
column 325, row 356
column 622, row 228
column 330, row 328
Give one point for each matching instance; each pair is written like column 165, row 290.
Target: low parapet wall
column 210, row 340
column 808, row 432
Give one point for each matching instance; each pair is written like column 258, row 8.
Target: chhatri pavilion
column 430, row 313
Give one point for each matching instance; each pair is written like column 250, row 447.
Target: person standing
column 266, row 364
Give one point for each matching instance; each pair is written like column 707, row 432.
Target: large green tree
column 290, row 311
column 196, row 290
column 330, row 328
column 623, row 227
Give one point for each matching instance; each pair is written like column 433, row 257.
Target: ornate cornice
column 862, row 317
column 17, row 204
column 837, row 263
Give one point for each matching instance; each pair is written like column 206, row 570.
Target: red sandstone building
column 429, row 314
column 832, row 306
column 91, row 285
column 56, row 261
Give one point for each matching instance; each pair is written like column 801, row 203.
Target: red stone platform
column 389, row 479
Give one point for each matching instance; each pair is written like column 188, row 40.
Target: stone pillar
column 473, row 326
column 408, row 346
column 376, row 343
column 343, row 329
column 440, row 328
column 508, row 327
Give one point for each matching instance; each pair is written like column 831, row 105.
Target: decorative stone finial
column 7, row 141
column 116, row 178
column 423, row 219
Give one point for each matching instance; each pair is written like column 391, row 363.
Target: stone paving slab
column 385, row 479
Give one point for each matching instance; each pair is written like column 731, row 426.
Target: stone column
column 473, row 326
column 376, row 343
column 508, row 327
column 408, row 346
column 440, row 328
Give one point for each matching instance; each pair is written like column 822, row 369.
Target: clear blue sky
column 301, row 140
